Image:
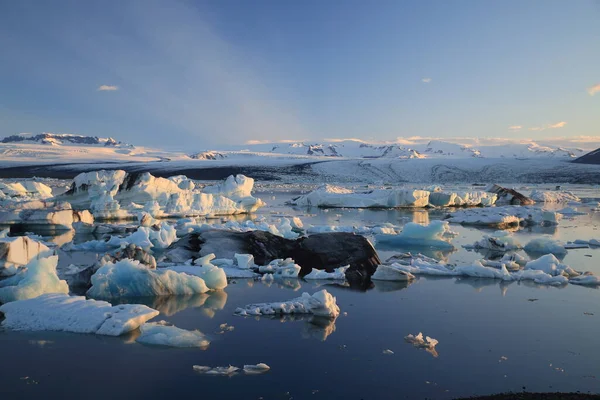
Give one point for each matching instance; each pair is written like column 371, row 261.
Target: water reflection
column 391, row 286
column 314, row 327
column 209, row 303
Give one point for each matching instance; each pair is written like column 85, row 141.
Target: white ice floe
column 214, row 277
column 16, row 252
column 462, row 199
column 39, row 277
column 586, row 279
column 25, row 190
column 426, row 342
column 284, row 227
column 571, row 211
column 318, row 274
column 337, row 197
column 433, row 235
column 230, row 370
column 56, row 215
column 60, row 312
column 552, row 266
column 545, row 245
column 117, row 194
column 128, row 278
column 321, row 304
column 391, row 273
column 259, row 368
column 500, row 241
column 281, row 268
column 160, row 237
column 549, row 196
column 505, row 216
column 162, row 334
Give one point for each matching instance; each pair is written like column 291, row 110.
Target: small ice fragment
column 388, row 352
column 259, row 368
column 230, row 370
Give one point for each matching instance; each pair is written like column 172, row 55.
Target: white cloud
column 426, row 80
column 557, row 125
column 560, row 124
column 515, row 127
column 107, row 88
column 592, row 90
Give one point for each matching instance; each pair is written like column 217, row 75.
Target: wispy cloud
column 560, row 124
column 426, row 80
column 557, row 125
column 592, row 90
column 107, row 88
column 515, row 127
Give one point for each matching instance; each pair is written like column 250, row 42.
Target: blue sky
column 192, row 74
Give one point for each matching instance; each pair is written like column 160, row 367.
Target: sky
column 195, row 74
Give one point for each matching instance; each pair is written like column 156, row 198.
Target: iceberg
column 321, row 304
column 227, row 371
column 118, row 195
column 549, row 196
column 39, row 278
column 500, row 241
column 391, row 273
column 550, row 265
column 60, row 312
column 433, row 235
column 544, row 245
column 337, row 274
column 128, row 278
column 462, row 199
column 16, row 252
column 329, row 196
column 421, row 342
column 214, row 277
column 162, row 334
column 505, row 216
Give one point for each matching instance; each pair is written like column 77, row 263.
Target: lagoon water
column 493, row 336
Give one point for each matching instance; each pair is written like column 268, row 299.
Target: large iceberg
column 60, row 312
column 321, row 304
column 549, row 196
column 128, row 278
column 337, row 197
column 117, row 194
column 505, row 216
column 462, row 199
column 16, row 252
column 433, row 235
column 38, row 278
column 56, row 215
column 162, row 334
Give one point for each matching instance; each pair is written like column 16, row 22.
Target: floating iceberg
column 585, row 280
column 318, row 274
column 462, row 199
column 214, row 277
column 230, row 370
column 544, row 245
column 117, row 194
column 38, row 278
column 433, row 235
column 421, row 342
column 391, row 273
column 160, row 237
column 16, row 252
column 321, row 304
column 337, row 197
column 162, row 334
column 128, row 278
column 548, row 196
column 259, row 368
column 500, row 241
column 60, row 312
column 551, row 265
column 504, row 216
column 56, row 215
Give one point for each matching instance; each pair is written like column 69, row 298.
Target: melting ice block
column 128, row 278
column 162, row 334
column 40, row 277
column 321, row 304
column 337, row 197
column 434, row 235
column 60, row 312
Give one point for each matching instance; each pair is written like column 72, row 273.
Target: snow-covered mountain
column 59, row 139
column 424, row 148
